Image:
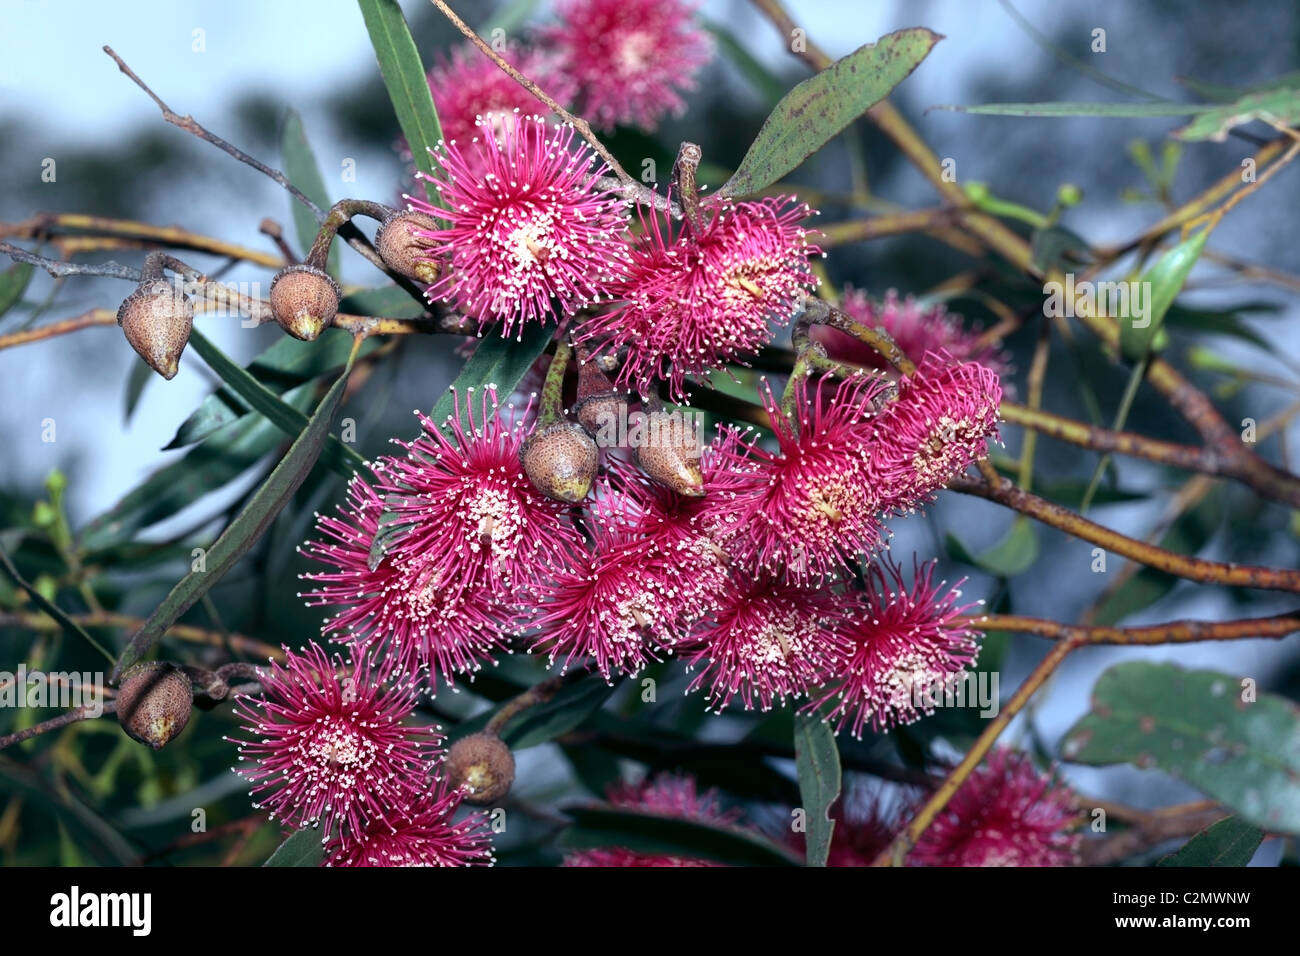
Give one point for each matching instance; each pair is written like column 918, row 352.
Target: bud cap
column 304, row 300
column 153, row 705
column 481, row 767
column 157, row 319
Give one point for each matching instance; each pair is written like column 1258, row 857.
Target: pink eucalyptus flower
column 917, row 329
column 630, row 57
column 767, row 642
column 905, row 646
column 400, row 604
column 1005, row 814
column 471, row 510
column 530, row 234
column 938, row 427
column 670, row 795
column 810, row 508
column 328, row 743
column 614, row 604
column 468, row 87
column 694, row 303
column 423, row 834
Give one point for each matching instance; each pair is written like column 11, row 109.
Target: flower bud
column 561, row 461
column 481, row 767
column 157, row 318
column 153, row 705
column 404, row 248
column 670, row 455
column 598, row 403
column 304, row 300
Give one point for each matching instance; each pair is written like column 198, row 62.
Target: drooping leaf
column 391, row 301
column 1164, row 279
column 247, row 527
column 496, row 361
column 1014, row 553
column 1230, row 842
column 541, row 723
column 406, row 80
column 1280, row 106
column 140, row 376
column 174, row 487
column 286, row 364
column 301, row 169
column 820, row 107
column 302, row 848
column 669, row 836
column 1062, row 110
column 817, row 761
column 338, row 456
column 1203, row 727
column 13, row 283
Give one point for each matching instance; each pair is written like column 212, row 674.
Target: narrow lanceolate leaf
column 496, row 361
column 1279, row 106
column 820, row 107
column 1215, row 731
column 71, row 627
column 283, row 368
column 13, row 282
column 407, row 82
column 288, row 419
column 659, row 835
column 1114, row 110
column 245, row 530
column 1230, row 842
column 542, row 723
column 1160, row 285
column 817, row 760
column 301, row 168
column 302, row 848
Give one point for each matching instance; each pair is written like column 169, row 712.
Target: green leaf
column 141, row 375
column 1014, row 553
column 1121, row 110
column 391, row 301
column 175, row 487
column 1163, row 281
column 817, row 761
column 70, row 627
column 539, row 724
column 13, row 283
column 1229, row 94
column 287, row 363
column 302, row 848
column 1228, row 322
column 1196, row 726
column 247, row 527
column 496, row 361
column 1280, row 106
column 670, row 836
column 1189, row 535
column 301, row 169
column 288, row 419
column 1230, row 842
column 510, row 17
column 407, row 82
column 1050, row 245
column 817, row 109
column 93, row 834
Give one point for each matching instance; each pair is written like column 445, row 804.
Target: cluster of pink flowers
column 750, row 577
column 615, row 62
column 328, row 745
column 1007, row 813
